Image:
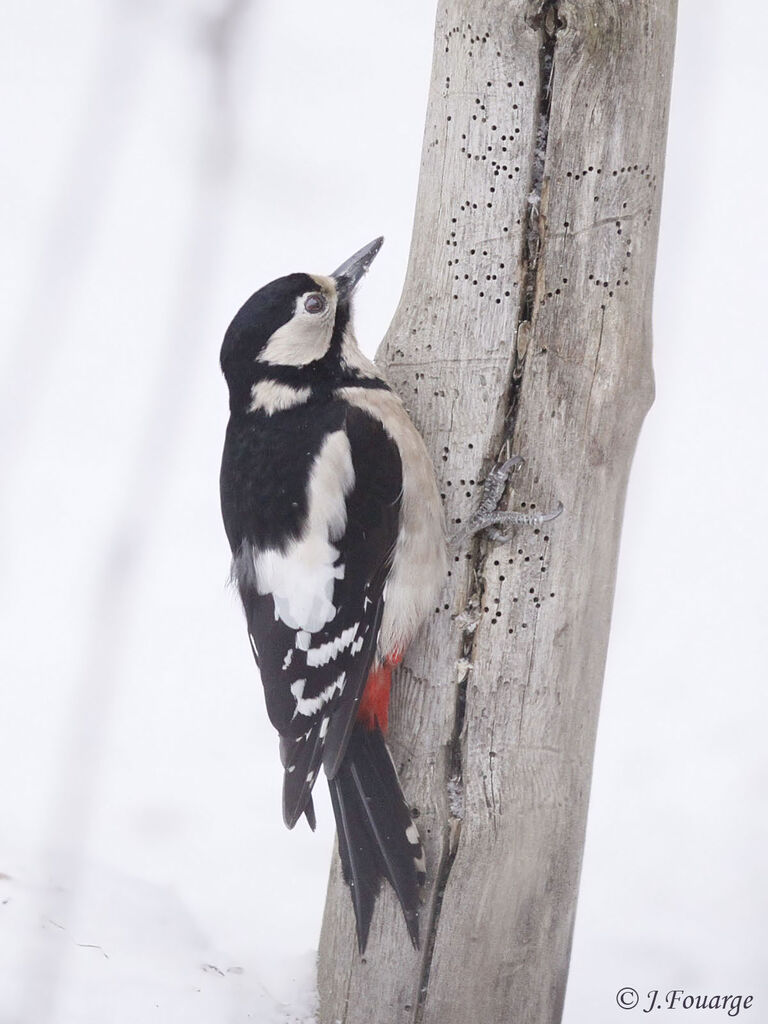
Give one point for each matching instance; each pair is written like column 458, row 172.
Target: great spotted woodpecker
column 332, row 512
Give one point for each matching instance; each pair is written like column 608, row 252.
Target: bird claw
column 488, row 516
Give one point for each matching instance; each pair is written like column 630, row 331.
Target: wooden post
column 524, row 327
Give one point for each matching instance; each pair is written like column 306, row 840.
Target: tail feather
column 309, row 812
column 356, row 856
column 377, row 836
column 301, row 760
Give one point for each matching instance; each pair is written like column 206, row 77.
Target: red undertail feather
column 374, row 707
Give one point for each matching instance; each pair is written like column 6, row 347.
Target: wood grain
column 524, row 326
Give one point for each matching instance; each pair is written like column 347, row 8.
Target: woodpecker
column 332, row 512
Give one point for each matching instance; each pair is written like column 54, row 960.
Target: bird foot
column 488, row 516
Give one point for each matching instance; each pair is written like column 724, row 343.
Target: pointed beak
column 348, row 275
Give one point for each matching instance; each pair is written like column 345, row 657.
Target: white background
column 148, row 187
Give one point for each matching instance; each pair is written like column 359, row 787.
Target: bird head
column 294, row 329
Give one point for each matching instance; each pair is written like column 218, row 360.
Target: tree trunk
column 524, row 327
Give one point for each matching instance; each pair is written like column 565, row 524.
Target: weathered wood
column 525, row 326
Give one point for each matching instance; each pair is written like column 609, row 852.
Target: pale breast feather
column 420, row 561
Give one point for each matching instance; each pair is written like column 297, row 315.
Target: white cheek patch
column 301, row 579
column 271, row 396
column 306, row 337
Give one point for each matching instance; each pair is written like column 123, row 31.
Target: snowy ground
column 144, row 870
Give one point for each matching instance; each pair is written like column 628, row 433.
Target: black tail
column 377, row 837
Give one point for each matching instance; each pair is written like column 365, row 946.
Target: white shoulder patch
column 301, row 579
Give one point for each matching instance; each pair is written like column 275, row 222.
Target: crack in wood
column 546, row 20
column 512, row 890
column 452, row 835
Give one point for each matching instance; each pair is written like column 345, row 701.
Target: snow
column 132, row 950
column 146, row 873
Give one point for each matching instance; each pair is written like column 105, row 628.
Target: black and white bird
column 333, row 515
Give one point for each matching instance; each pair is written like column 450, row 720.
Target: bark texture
column 525, row 328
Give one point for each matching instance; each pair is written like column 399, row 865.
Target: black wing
column 314, row 680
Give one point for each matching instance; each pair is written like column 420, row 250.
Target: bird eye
column 314, row 303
